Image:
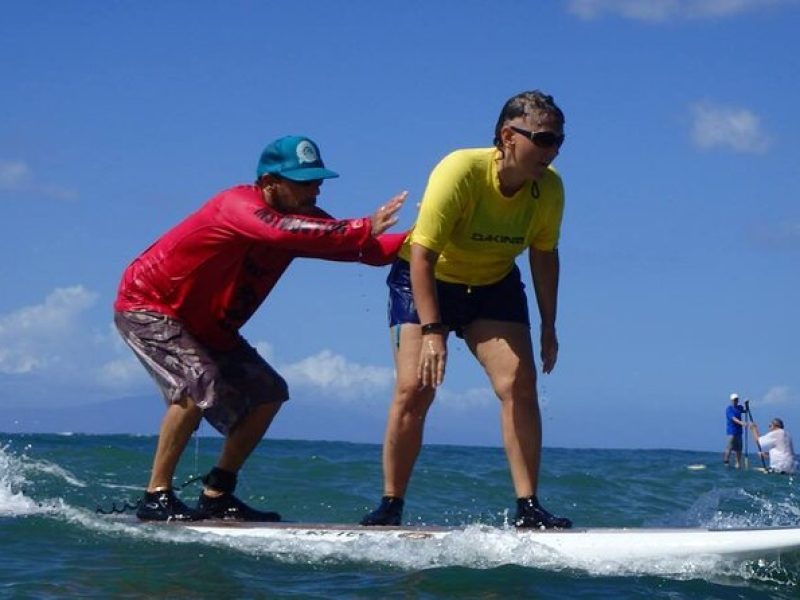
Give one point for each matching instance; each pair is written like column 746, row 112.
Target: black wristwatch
column 435, row 327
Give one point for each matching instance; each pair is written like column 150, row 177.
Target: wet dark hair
column 526, row 103
column 777, row 422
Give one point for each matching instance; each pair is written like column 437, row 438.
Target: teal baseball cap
column 293, row 157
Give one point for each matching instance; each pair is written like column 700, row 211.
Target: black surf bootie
column 228, row 507
column 164, row 505
column 389, row 512
column 530, row 514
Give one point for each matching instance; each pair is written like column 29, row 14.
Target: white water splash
column 17, row 473
column 13, row 502
column 475, row 547
column 480, row 547
column 48, row 468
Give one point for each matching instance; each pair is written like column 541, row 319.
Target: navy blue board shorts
column 459, row 304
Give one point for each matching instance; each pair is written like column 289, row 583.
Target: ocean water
column 54, row 545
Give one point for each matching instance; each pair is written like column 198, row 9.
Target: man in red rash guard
column 182, row 302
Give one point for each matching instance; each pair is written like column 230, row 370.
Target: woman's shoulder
column 552, row 174
column 466, row 160
column 551, row 185
column 469, row 156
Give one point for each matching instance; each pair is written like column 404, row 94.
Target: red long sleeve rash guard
column 215, row 268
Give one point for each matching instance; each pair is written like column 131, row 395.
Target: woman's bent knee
column 411, row 399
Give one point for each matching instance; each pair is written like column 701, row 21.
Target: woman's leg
column 505, row 352
column 410, row 404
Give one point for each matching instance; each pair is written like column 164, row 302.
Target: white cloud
column 334, row 375
column 266, row 350
column 122, row 374
column 783, row 235
column 32, row 338
column 656, row 11
column 738, row 129
column 13, row 174
column 51, row 347
column 338, row 378
column 51, row 353
column 17, row 176
column 779, row 394
column 467, row 399
column 642, row 10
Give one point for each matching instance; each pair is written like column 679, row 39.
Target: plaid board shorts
column 225, row 385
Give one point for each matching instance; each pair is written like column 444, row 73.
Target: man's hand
column 386, row 215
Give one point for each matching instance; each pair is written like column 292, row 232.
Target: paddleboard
column 609, row 544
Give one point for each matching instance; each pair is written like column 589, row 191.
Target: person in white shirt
column 778, row 443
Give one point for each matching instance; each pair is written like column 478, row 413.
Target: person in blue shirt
column 733, row 427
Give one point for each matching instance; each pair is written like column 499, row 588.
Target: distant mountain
column 136, row 415
column 141, row 415
column 302, row 418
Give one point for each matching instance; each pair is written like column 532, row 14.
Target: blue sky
column 680, row 245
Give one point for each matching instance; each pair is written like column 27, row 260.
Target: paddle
column 746, row 445
column 758, row 444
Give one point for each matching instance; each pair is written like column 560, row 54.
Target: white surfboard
column 615, row 545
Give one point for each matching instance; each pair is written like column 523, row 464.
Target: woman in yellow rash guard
column 456, row 272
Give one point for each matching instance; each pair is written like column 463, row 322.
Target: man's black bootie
column 227, row 506
column 164, row 505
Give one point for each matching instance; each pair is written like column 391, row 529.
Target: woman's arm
column 545, row 269
column 433, row 354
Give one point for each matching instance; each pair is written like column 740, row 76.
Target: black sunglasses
column 541, row 139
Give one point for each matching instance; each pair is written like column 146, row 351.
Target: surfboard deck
column 613, row 544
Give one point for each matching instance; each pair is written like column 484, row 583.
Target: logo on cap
column 293, row 157
column 306, row 153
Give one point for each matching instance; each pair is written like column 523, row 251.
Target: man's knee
column 261, row 414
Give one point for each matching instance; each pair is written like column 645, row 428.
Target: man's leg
column 737, row 449
column 249, row 395
column 729, row 448
column 179, row 422
column 244, row 438
column 172, row 357
column 217, row 500
column 160, row 502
